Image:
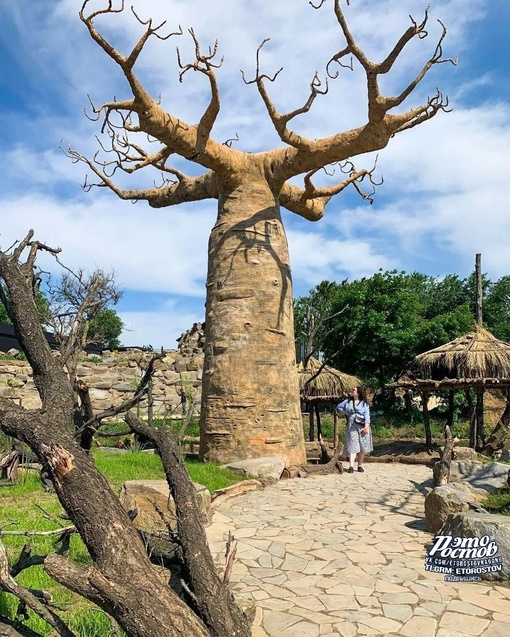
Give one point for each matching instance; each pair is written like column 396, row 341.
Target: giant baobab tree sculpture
column 250, row 398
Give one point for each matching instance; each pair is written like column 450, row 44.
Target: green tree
column 313, row 315
column 391, row 317
column 106, row 328
column 104, row 325
column 496, row 308
column 40, row 300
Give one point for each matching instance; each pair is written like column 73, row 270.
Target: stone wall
column 114, row 376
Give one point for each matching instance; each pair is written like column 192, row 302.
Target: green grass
column 386, row 429
column 498, row 501
column 21, row 510
column 117, row 467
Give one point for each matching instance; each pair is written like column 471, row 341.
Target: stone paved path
column 344, row 555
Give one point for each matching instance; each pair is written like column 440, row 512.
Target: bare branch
column 139, row 394
column 295, row 200
column 133, row 56
column 39, row 533
column 309, row 155
column 15, row 628
column 377, row 104
column 280, row 121
column 184, row 189
column 28, row 598
column 204, row 64
column 208, row 591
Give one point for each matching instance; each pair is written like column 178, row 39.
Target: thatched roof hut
column 329, row 385
column 478, row 354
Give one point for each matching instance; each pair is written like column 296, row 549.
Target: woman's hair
column 362, row 394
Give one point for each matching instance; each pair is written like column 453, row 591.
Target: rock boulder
column 497, row 527
column 269, row 467
column 449, row 498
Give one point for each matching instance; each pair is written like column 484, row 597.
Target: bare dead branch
column 378, row 105
column 184, row 189
column 138, row 395
column 295, row 200
column 204, row 64
column 309, row 155
column 151, row 31
column 206, row 588
column 28, row 598
column 15, row 628
column 39, row 533
column 230, row 555
column 230, row 141
column 280, row 121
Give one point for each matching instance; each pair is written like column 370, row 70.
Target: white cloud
column 445, row 182
column 316, row 257
column 150, row 250
column 159, row 328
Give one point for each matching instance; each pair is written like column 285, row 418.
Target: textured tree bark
column 250, row 393
column 441, row 469
column 121, row 579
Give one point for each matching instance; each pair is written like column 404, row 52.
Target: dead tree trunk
column 328, row 465
column 441, row 470
column 121, row 580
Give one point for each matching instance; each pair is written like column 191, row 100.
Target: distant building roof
column 8, row 340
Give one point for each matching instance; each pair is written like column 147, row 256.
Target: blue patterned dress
column 355, row 441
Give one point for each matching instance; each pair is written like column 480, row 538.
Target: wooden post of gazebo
column 335, row 427
column 480, row 436
column 426, row 419
column 472, row 419
column 479, row 290
column 311, row 427
column 480, row 433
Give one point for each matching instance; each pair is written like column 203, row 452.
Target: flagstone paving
column 344, row 555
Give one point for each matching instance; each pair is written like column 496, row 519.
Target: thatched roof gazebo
column 320, row 383
column 478, row 354
column 477, row 360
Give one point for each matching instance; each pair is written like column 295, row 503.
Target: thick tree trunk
column 121, row 579
column 250, row 392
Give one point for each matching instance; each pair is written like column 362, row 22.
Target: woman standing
column 358, row 437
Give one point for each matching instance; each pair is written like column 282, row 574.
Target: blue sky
column 446, row 186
